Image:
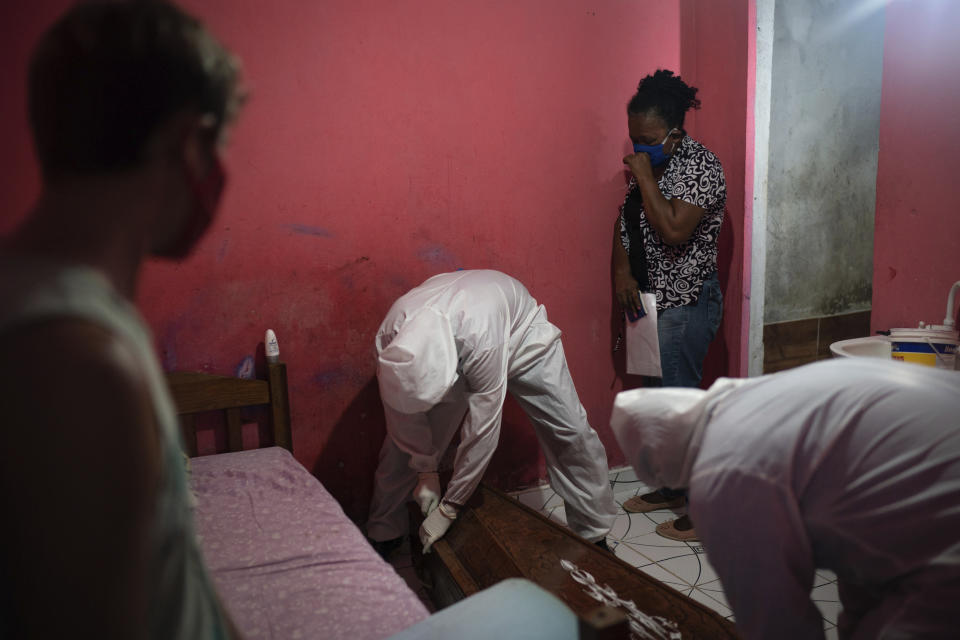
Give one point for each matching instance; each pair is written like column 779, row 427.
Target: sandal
column 668, row 530
column 637, row 504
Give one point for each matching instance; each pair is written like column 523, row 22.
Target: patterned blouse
column 676, row 274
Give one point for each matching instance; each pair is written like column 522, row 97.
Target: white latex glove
column 436, row 524
column 427, row 491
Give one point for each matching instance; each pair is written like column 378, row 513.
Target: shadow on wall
column 349, row 455
column 717, row 363
column 518, row 461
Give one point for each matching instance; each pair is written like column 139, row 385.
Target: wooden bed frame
column 195, row 393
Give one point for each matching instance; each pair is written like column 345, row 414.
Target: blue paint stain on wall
column 438, row 254
column 169, row 355
column 168, row 345
column 170, row 335
column 308, row 230
column 245, row 369
column 222, row 253
column 329, row 377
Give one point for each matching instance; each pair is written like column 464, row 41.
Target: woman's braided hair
column 666, row 95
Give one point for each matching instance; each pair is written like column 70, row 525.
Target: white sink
column 869, row 347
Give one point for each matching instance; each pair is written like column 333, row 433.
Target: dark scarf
column 632, row 210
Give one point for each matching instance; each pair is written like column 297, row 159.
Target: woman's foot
column 680, row 529
column 652, row 502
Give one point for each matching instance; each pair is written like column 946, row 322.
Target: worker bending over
column 448, row 353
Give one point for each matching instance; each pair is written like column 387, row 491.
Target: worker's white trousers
column 575, row 458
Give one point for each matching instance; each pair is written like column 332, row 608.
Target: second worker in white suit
column 448, row 353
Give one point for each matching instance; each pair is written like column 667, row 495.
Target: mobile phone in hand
column 640, row 312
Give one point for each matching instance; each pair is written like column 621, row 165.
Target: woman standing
column 665, row 242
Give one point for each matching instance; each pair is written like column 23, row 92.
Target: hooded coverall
column 847, row 465
column 448, row 352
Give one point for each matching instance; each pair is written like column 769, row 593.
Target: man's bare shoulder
column 76, row 381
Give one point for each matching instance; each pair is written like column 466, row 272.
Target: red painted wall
column 916, row 252
column 386, row 142
column 715, row 58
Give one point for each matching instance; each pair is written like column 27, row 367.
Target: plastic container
column 931, row 346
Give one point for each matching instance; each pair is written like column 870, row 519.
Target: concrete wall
column 758, row 167
column 822, row 166
column 714, row 58
column 917, row 241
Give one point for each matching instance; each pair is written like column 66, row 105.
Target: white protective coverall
column 453, row 347
column 847, row 465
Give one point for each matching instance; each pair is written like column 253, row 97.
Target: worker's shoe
column 685, row 533
column 649, row 502
column 386, row 547
column 602, row 543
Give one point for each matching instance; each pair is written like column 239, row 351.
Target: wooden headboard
column 195, row 393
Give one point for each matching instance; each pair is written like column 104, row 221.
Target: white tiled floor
column 681, row 565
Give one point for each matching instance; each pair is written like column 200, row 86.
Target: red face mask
column 206, row 198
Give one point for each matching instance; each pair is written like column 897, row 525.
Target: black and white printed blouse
column 676, row 274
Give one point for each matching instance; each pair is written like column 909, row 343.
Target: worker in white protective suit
column 448, row 352
column 846, row 465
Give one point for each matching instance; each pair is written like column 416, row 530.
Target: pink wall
column 916, row 253
column 382, row 145
column 714, row 58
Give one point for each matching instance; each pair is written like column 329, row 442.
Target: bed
column 286, row 560
column 288, row 563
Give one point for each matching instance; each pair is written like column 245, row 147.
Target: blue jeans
column 685, row 335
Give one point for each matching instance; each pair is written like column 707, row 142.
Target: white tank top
column 182, row 601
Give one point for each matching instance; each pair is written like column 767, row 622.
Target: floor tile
column 715, row 590
column 630, row 555
column 625, row 473
column 554, row 501
column 667, row 578
column 536, row 498
column 642, row 524
column 662, row 516
column 692, row 567
column 711, row 585
column 824, row 576
column 621, row 527
column 828, row 601
column 623, row 491
column 819, row 580
column 630, row 526
column 708, row 599
column 656, row 547
column 557, row 514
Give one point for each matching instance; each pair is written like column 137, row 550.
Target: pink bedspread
column 286, row 560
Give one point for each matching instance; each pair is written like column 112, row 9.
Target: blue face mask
column 655, row 151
